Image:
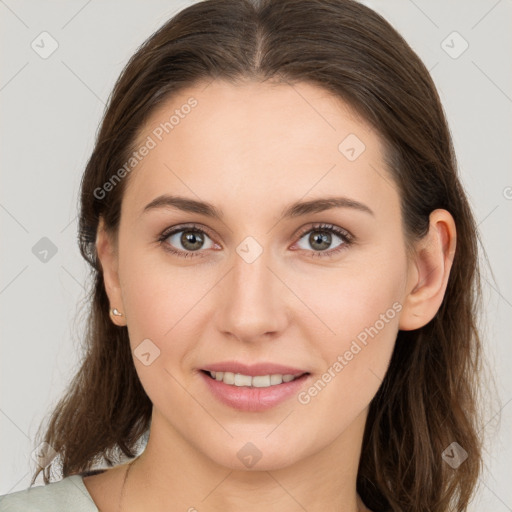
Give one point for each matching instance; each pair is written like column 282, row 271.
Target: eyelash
column 330, row 228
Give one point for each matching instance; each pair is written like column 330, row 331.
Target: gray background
column 51, row 108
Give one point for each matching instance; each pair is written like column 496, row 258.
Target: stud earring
column 115, row 312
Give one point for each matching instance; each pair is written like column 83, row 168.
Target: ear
column 429, row 272
column 106, row 250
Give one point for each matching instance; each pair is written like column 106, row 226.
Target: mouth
column 252, row 381
column 253, row 388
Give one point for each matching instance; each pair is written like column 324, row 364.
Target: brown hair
column 428, row 398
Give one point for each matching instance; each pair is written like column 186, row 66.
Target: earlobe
column 107, row 255
column 430, row 270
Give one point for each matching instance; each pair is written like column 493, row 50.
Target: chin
column 257, row 455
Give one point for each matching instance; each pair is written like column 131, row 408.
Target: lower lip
column 252, row 399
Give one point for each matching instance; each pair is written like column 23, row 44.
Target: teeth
column 229, row 378
column 259, row 381
column 264, row 381
column 242, row 380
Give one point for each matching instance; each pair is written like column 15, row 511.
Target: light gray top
column 67, row 495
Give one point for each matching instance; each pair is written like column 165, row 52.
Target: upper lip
column 253, row 369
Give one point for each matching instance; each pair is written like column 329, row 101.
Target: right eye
column 185, row 241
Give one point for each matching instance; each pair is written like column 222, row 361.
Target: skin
column 251, row 149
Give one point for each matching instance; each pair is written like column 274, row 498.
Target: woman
column 286, row 276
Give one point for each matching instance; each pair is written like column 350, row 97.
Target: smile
column 257, row 381
column 253, row 393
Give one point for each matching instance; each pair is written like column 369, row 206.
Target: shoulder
column 69, row 493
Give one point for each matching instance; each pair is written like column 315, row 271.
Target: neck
column 171, row 471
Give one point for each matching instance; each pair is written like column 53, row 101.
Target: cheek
column 161, row 303
column 158, row 297
column 354, row 363
column 344, row 303
column 360, row 314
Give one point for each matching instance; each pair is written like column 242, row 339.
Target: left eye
column 320, row 239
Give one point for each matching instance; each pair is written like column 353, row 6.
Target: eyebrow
column 295, row 209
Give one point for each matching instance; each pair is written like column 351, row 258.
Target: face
column 316, row 289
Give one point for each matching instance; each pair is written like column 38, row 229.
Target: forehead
column 251, row 141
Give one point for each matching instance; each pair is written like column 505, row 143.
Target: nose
column 251, row 300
